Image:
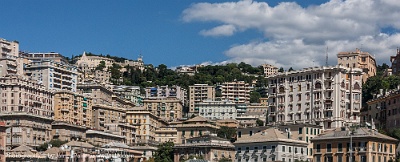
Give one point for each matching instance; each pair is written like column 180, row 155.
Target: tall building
column 130, row 93
column 330, row 96
column 166, row 91
column 367, row 145
column 199, row 93
column 269, row 69
column 358, row 59
column 214, row 110
column 146, row 124
column 27, row 109
column 72, row 115
column 10, row 62
column 395, row 60
column 237, row 91
column 54, row 76
column 166, row 108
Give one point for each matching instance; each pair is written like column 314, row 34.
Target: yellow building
column 194, row 127
column 359, row 144
column 166, row 134
column 168, row 108
column 199, row 93
column 146, row 124
column 358, row 59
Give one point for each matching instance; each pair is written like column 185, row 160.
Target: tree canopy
column 165, row 152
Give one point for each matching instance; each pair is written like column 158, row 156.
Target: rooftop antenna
column 326, row 59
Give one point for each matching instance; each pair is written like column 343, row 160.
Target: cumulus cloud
column 298, row 36
column 223, row 30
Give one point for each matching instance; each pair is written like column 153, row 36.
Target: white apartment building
column 53, row 75
column 237, row 91
column 214, row 110
column 199, row 93
column 269, row 69
column 130, row 93
column 328, row 96
column 37, row 57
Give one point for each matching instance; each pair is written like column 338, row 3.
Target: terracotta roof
column 197, row 119
column 22, row 148
column 268, row 135
column 79, row 144
column 358, row 133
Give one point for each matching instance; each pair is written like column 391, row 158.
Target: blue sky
column 184, row 32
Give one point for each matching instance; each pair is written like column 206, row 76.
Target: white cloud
column 223, row 30
column 297, row 36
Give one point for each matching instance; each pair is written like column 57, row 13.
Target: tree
column 165, row 152
column 226, row 132
column 255, row 97
column 260, row 122
column 291, row 69
column 53, row 143
column 281, row 70
column 101, row 66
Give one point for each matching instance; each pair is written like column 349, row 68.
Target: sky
column 286, row 34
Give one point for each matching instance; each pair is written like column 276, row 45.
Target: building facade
column 367, row 146
column 214, row 110
column 130, row 93
column 27, row 109
column 237, row 91
column 3, row 137
column 199, row 93
column 270, row 145
column 73, row 108
column 330, row 96
column 195, row 127
column 146, row 124
column 209, row 147
column 54, row 76
column 269, row 69
column 10, row 62
column 166, row 91
column 165, row 108
column 358, row 59
column 38, row 57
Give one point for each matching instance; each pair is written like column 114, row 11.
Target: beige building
column 166, row 134
column 328, row 96
column 231, row 123
column 146, row 124
column 73, row 108
column 358, row 59
column 269, row 69
column 209, row 147
column 138, row 64
column 166, row 108
column 10, row 62
column 130, row 93
column 199, row 93
column 3, row 137
column 87, row 63
column 38, row 57
column 67, row 132
column 27, row 109
column 194, row 127
column 367, row 146
column 237, row 91
column 54, row 76
column 166, row 92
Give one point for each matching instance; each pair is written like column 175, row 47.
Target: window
column 251, row 133
column 283, row 159
column 239, row 134
column 255, row 149
column 290, row 149
column 340, row 147
column 307, row 139
column 318, row 148
column 306, row 130
column 328, row 147
column 283, row 149
column 239, row 149
column 272, row 148
column 264, row 148
column 300, row 130
column 339, row 158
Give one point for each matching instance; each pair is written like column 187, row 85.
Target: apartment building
column 146, row 123
column 214, row 110
column 328, row 95
column 199, row 93
column 209, row 147
column 269, row 69
column 3, row 137
column 38, row 57
column 68, row 132
column 383, row 110
column 354, row 144
column 166, row 134
column 358, row 59
column 130, row 93
column 27, row 109
column 270, row 145
column 231, row 123
column 303, row 132
column 10, row 62
column 165, row 108
column 237, row 91
column 166, row 91
column 54, row 76
column 195, row 127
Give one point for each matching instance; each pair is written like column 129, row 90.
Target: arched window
column 357, row 86
column 343, row 85
column 317, row 85
column 281, row 90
